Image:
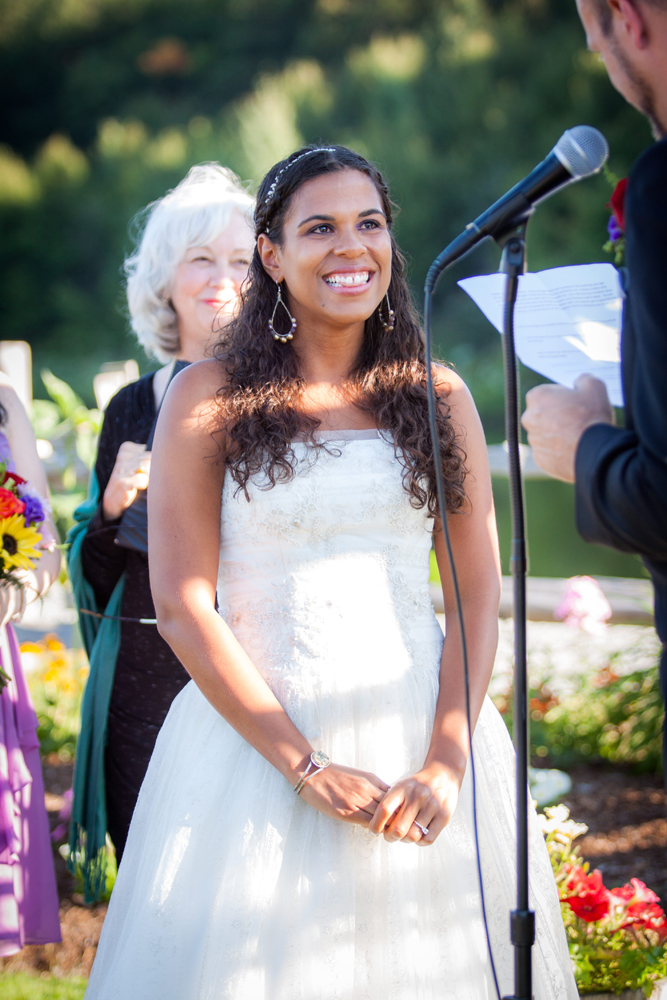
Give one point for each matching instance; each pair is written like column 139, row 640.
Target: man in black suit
column 620, row 474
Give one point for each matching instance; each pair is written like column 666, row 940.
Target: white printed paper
column 567, row 321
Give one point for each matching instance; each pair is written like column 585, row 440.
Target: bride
column 304, row 829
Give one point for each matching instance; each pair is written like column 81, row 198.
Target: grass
column 22, row 986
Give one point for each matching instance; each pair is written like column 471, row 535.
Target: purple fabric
column 28, row 894
column 5, row 453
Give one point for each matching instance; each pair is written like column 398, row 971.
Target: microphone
column 580, row 152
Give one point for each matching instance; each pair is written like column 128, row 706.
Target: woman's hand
column 345, row 793
column 427, row 798
column 10, row 602
column 130, row 474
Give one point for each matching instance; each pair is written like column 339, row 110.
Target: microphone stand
column 522, row 920
column 512, row 240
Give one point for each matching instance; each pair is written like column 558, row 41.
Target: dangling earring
column 282, row 337
column 388, row 324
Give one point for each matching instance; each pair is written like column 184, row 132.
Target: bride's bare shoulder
column 200, row 380
column 196, row 391
column 449, row 386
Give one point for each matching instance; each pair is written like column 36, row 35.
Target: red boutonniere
column 617, row 203
column 616, row 225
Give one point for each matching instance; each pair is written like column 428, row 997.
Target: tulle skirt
column 231, row 886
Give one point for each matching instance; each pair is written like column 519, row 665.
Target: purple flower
column 614, row 230
column 33, row 509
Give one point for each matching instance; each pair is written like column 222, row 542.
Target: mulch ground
column 626, row 816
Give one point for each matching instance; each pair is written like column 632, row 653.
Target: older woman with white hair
column 183, row 285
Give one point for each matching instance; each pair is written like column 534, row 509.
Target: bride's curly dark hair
column 388, row 380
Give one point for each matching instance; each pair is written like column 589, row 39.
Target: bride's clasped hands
column 415, row 809
column 418, row 808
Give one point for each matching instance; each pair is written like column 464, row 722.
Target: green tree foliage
column 67, row 64
column 112, row 100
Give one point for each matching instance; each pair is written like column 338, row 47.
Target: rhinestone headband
column 271, row 191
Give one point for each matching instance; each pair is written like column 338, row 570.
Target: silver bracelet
column 318, row 761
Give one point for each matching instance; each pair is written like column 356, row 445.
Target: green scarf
column 101, row 639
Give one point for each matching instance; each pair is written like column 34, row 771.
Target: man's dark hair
column 603, row 12
column 604, row 15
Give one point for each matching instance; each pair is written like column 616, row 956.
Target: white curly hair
column 193, row 213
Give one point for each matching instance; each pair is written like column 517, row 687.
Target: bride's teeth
column 360, row 278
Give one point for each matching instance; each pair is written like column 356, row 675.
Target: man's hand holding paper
column 567, row 321
column 556, row 417
column 567, row 327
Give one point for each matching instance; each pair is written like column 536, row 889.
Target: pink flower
column 584, row 605
column 642, row 894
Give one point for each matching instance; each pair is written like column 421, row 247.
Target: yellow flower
column 17, row 543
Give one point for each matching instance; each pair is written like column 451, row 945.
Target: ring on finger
column 424, row 829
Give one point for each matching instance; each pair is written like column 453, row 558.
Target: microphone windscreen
column 582, row 150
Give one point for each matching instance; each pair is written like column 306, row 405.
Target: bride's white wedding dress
column 231, row 885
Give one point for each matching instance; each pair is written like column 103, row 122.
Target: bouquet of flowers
column 617, row 937
column 21, row 517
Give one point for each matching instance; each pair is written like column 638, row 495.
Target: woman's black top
column 148, row 674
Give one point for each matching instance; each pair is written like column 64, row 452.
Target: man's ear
column 629, row 18
column 268, row 254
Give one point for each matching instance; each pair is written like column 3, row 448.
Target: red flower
column 577, row 879
column 641, row 908
column 651, row 918
column 15, row 479
column 617, row 203
column 592, row 901
column 659, row 925
column 9, row 504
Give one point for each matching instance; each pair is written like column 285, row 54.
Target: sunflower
column 17, row 543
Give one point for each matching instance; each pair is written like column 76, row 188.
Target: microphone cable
column 432, row 403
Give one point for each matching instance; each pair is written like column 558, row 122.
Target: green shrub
column 73, row 430
column 618, row 719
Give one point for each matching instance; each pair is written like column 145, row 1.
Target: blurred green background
column 107, row 103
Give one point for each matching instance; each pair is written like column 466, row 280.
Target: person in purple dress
column 28, row 896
